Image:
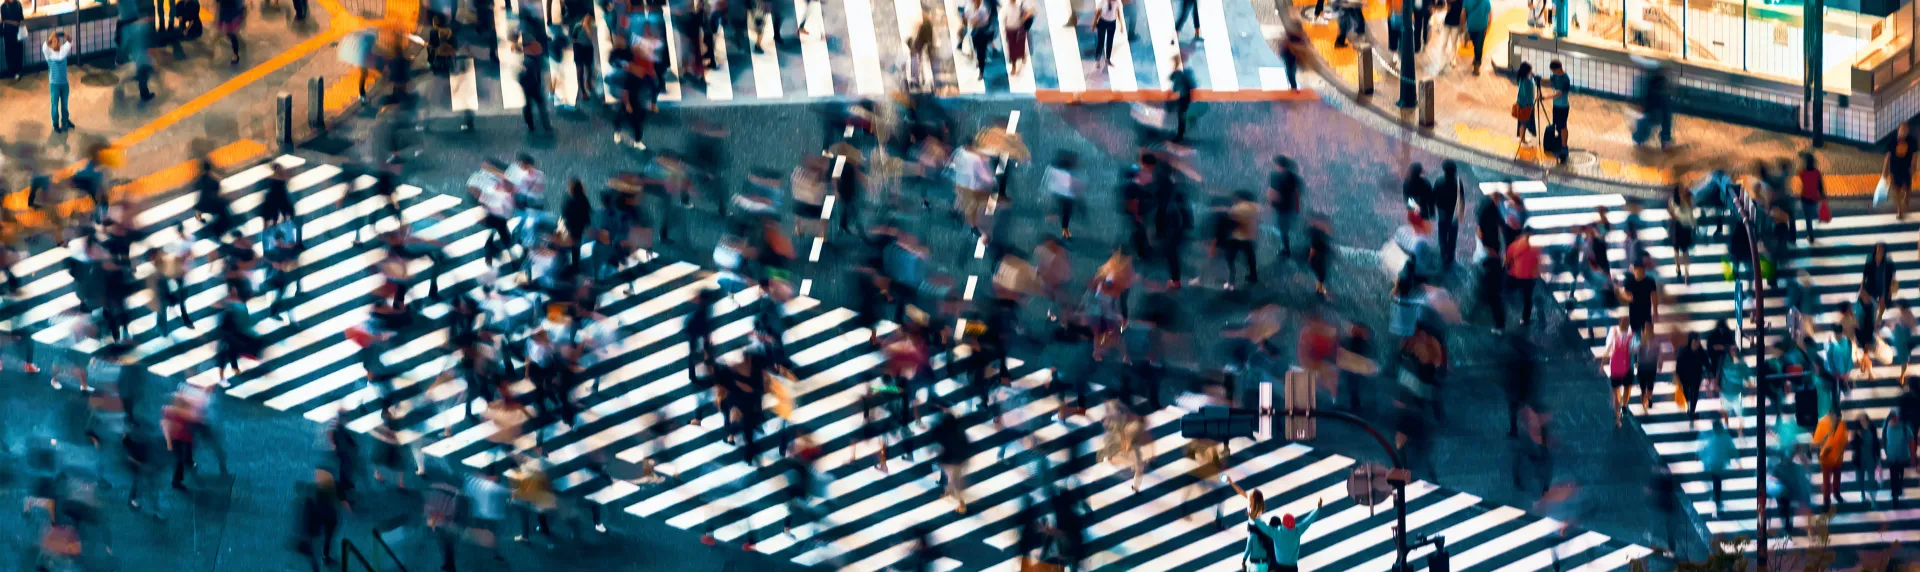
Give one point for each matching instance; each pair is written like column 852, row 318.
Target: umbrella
column 996, row 141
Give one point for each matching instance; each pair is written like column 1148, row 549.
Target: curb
column 1318, row 63
column 1160, row 95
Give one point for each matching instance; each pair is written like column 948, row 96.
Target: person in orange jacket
column 1831, row 436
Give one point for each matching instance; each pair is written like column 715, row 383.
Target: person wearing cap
column 1281, row 551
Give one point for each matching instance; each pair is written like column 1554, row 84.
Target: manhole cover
column 1577, row 159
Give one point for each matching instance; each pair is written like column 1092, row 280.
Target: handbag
column 1880, row 191
column 1826, row 212
column 1522, row 112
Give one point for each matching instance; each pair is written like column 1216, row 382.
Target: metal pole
column 1816, row 23
column 1759, row 354
column 1399, row 485
column 284, row 120
column 1365, row 79
column 1408, row 97
column 317, row 104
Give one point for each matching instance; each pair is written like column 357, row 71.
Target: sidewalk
column 1473, row 112
column 199, row 96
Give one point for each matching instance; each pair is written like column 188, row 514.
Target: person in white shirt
column 1106, row 24
column 529, row 194
column 489, row 187
column 487, row 507
column 972, row 180
column 1065, row 188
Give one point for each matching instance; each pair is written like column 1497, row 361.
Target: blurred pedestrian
column 319, row 512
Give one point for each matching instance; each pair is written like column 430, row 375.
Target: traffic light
column 1218, row 424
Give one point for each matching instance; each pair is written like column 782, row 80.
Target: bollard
column 317, row 105
column 285, row 122
column 1426, row 103
column 1366, row 71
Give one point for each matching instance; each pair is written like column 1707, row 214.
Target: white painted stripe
column 506, row 27
column 766, row 65
column 1538, row 560
column 863, row 49
column 673, row 56
column 1520, row 537
column 1221, row 71
column 720, row 76
column 814, row 56
column 1070, row 73
column 1456, row 535
column 1164, row 39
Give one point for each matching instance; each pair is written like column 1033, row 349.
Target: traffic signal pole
column 1398, row 477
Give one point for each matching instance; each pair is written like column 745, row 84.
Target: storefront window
column 1750, row 36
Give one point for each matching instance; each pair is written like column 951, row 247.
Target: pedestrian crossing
column 638, row 405
column 859, row 48
column 1865, row 515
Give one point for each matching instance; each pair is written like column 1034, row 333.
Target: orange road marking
column 225, row 157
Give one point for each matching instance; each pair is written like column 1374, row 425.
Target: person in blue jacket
column 1273, row 547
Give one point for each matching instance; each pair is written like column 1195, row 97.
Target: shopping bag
column 1680, row 399
column 1880, row 192
column 1766, row 269
column 1826, row 212
column 1726, row 270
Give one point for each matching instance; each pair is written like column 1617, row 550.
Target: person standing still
column 1284, row 188
column 1559, row 87
column 55, row 53
column 1896, row 438
column 13, row 36
column 138, row 37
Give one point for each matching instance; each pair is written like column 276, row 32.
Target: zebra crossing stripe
column 313, row 371
column 1070, row 72
column 863, row 49
column 1165, row 39
column 766, row 64
column 1218, row 46
column 814, row 59
column 511, row 60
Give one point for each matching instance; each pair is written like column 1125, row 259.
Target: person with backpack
column 1272, row 547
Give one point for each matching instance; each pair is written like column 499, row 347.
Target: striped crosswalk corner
column 226, row 156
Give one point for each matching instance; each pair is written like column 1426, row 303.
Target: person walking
column 1656, row 112
column 1284, row 190
column 1449, row 196
column 230, row 15
column 1866, row 458
column 1896, row 441
column 1813, row 193
column 533, row 84
column 1716, row 451
column 320, row 518
column 1681, row 226
column 55, row 53
column 13, row 37
column 1898, row 172
column 1831, row 437
column 1065, row 188
column 1618, row 366
column 1106, row 24
column 1181, row 83
column 138, row 36
column 1479, row 15
column 1181, row 12
column 1018, row 24
column 1690, row 371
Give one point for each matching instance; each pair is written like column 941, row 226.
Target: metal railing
column 348, row 549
